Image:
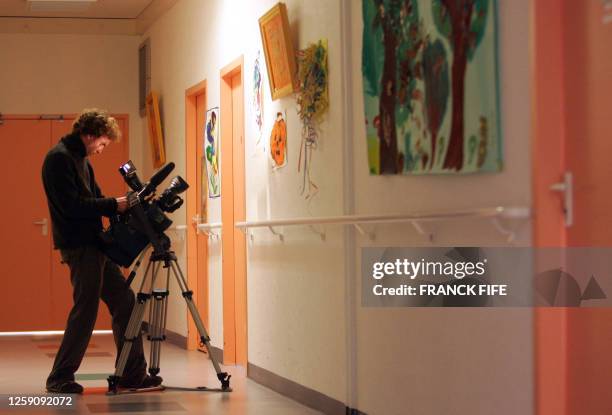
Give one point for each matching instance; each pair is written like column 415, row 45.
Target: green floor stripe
column 92, row 376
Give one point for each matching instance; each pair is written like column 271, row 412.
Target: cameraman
column 77, row 205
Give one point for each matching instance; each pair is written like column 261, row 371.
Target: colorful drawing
column 211, row 151
column 313, row 101
column 257, row 101
column 204, row 190
column 431, row 86
column 278, row 141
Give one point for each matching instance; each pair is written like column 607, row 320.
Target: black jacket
column 75, row 201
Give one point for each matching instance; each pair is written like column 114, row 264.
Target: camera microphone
column 156, row 180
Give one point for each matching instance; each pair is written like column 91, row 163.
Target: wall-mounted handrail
column 494, row 213
column 179, row 230
column 209, row 226
column 208, row 229
column 502, row 212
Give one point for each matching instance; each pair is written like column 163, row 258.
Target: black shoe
column 147, row 382
column 66, row 387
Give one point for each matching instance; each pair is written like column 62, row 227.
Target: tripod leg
column 130, row 277
column 223, row 377
column 157, row 325
column 132, row 331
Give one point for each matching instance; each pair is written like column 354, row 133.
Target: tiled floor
column 26, row 361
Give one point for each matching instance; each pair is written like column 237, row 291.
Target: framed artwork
column 211, row 151
column 431, row 86
column 278, row 50
column 156, row 137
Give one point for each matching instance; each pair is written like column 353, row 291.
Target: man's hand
column 122, row 204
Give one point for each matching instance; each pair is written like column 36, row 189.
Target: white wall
column 51, row 74
column 442, row 361
column 295, row 289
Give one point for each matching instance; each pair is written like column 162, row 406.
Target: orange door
column 25, row 239
column 196, row 198
column 106, row 168
column 572, row 134
column 588, row 85
column 548, row 166
column 233, row 210
column 202, row 197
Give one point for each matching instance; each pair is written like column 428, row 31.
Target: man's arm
column 122, row 202
column 60, row 180
column 97, row 191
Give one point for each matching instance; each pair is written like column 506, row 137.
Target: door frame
column 234, row 284
column 195, row 252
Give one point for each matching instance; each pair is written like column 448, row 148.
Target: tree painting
column 393, row 34
column 462, row 22
column 435, row 74
column 389, row 21
column 397, row 20
column 430, row 73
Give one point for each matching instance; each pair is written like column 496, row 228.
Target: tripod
column 157, row 319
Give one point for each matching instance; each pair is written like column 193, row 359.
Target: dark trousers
column 93, row 276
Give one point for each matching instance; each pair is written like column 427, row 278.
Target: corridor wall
column 447, row 360
column 64, row 73
column 305, row 320
column 296, row 302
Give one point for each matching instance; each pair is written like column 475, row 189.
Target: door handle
column 566, row 187
column 45, row 227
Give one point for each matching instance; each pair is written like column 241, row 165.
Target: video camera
column 145, row 220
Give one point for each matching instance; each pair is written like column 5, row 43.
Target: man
column 77, row 205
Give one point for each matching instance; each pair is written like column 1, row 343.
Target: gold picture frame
column 156, row 137
column 278, row 50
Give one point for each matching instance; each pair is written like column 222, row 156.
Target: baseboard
column 302, row 394
column 172, row 337
column 306, row 396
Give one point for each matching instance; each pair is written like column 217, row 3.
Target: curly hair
column 96, row 122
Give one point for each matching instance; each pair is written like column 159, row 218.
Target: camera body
column 145, row 220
